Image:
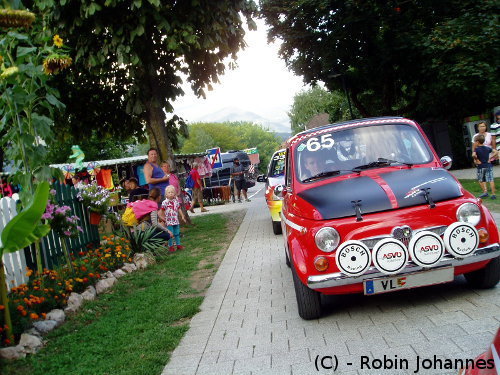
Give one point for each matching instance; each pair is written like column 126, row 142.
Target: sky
column 261, row 84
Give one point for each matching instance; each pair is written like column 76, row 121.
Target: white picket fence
column 14, row 263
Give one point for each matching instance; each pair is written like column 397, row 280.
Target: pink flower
column 67, row 233
column 52, row 192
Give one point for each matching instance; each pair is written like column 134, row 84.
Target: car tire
column 486, row 277
column 287, row 260
column 308, row 300
column 277, row 227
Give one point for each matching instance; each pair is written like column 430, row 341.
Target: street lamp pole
column 344, row 87
column 348, row 97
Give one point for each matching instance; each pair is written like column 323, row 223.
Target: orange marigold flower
column 20, row 308
column 2, row 307
column 29, row 273
column 34, row 316
column 6, row 342
column 24, row 313
column 44, row 315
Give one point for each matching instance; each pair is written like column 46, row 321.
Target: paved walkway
column 249, row 323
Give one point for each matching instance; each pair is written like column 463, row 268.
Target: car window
column 346, row 149
column 288, row 168
column 277, row 164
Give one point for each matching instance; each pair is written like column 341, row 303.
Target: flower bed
column 51, row 289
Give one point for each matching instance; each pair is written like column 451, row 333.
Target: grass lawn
column 133, row 328
column 474, row 188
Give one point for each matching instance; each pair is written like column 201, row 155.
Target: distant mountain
column 280, row 125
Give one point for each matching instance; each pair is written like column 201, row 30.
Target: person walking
column 238, row 174
column 154, row 175
column 197, row 192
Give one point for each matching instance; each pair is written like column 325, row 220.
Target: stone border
column 32, row 339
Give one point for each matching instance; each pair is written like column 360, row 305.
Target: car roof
column 344, row 123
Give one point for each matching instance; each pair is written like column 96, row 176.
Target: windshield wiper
column 322, row 174
column 380, row 163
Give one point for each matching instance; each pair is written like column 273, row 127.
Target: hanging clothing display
column 105, row 179
column 141, row 176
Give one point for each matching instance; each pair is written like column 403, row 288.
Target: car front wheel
column 277, row 227
column 486, row 277
column 308, row 300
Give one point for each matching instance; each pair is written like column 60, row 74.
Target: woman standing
column 489, row 139
column 155, row 176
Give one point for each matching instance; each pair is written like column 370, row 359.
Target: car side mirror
column 261, row 178
column 280, row 191
column 446, row 161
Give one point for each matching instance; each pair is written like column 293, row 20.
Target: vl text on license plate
column 413, row 280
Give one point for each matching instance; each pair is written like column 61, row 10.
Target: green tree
column 203, row 136
column 316, row 100
column 395, row 57
column 232, row 136
column 140, row 50
column 93, row 145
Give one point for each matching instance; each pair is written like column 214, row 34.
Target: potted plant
column 97, row 199
column 62, row 222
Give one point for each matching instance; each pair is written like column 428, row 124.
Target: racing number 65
column 326, row 141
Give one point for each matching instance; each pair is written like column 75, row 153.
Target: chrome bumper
column 338, row 278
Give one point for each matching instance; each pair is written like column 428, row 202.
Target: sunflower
column 58, row 42
column 53, row 64
column 16, row 18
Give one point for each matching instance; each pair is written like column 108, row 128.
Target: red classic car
column 368, row 207
column 275, row 177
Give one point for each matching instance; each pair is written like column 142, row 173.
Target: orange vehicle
column 275, row 176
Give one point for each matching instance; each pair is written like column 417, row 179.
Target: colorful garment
column 171, row 208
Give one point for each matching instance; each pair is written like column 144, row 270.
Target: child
column 481, row 157
column 172, row 210
column 153, row 218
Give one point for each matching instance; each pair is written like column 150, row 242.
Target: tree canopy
column 232, row 136
column 395, row 57
column 132, row 55
column 314, row 101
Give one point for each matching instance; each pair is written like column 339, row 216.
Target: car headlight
column 327, row 239
column 469, row 213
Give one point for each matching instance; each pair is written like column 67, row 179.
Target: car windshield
column 356, row 149
column 277, row 165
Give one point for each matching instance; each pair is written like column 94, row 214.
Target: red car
column 368, row 207
column 487, row 363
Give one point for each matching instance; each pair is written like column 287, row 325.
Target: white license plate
column 412, row 280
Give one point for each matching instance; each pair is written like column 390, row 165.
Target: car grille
column 371, row 241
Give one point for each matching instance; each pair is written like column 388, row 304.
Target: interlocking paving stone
column 249, row 323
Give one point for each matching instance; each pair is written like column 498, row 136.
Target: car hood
column 381, row 192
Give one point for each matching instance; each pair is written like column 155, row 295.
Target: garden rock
column 12, row 352
column 75, row 300
column 89, row 294
column 129, row 267
column 57, row 315
column 30, row 343
column 45, row 326
column 108, row 274
column 103, row 285
column 34, row 332
column 143, row 260
column 118, row 273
